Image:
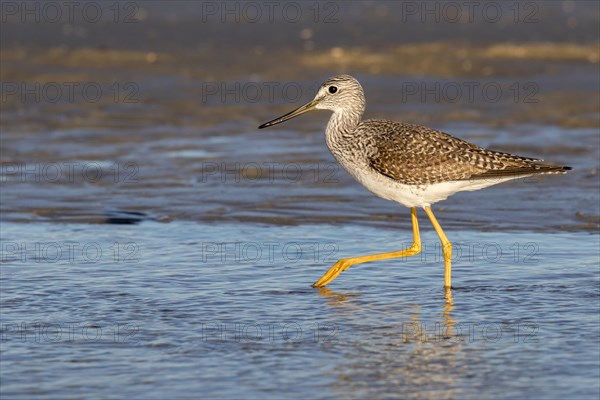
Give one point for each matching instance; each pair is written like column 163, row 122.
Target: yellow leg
column 346, row 263
column 446, row 248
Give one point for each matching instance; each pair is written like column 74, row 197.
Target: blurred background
column 175, row 87
column 130, row 128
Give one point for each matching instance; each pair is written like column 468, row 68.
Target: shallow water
column 155, row 244
column 161, row 310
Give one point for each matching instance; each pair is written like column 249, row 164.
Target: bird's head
column 340, row 94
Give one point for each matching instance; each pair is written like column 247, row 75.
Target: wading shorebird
column 410, row 164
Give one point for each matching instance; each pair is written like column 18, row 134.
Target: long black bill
column 300, row 110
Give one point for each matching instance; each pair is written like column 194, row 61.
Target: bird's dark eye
column 332, row 89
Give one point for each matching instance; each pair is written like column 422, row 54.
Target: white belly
column 415, row 195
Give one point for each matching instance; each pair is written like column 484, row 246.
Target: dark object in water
column 125, row 217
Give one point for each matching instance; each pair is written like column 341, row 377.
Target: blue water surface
column 166, row 310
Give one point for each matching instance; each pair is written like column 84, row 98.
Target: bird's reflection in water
column 448, row 307
column 405, row 355
column 335, row 298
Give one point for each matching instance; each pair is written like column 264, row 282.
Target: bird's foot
column 333, row 272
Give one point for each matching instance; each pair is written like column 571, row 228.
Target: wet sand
column 179, row 145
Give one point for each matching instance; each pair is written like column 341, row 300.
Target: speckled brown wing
column 417, row 155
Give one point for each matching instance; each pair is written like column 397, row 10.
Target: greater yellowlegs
column 410, row 164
